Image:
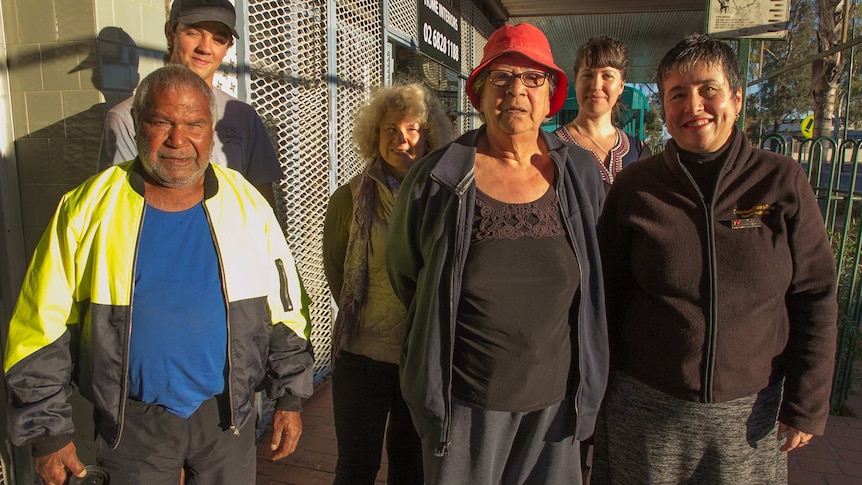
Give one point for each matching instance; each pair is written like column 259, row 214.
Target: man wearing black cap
column 199, row 34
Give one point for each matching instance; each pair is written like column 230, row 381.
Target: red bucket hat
column 527, row 40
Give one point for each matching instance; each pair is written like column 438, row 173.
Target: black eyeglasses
column 530, row 79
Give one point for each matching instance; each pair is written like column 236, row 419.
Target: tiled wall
column 69, row 61
column 129, row 28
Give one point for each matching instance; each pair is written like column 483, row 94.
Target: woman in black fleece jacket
column 720, row 286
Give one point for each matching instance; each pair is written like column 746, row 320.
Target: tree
column 826, row 71
column 787, row 97
column 654, row 133
column 851, row 72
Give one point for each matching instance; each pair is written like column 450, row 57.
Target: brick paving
column 313, row 462
column 832, row 459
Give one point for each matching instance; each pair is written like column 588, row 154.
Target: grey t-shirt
column 240, row 140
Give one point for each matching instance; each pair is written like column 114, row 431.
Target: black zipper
column 282, row 281
column 711, row 330
column 443, row 447
column 124, row 385
column 234, row 429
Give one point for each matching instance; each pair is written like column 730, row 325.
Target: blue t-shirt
column 178, row 349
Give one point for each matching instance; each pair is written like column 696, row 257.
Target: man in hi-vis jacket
column 164, row 289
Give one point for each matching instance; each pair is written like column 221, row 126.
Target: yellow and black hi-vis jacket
column 72, row 321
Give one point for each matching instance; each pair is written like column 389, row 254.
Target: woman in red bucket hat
column 492, row 249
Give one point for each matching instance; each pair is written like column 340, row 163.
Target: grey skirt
column 646, row 436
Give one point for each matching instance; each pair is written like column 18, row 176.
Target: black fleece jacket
column 712, row 300
column 426, row 248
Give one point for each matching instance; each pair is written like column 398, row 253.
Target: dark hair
column 603, row 51
column 696, row 50
column 172, row 29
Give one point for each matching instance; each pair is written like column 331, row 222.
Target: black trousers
column 366, row 395
column 155, row 445
column 507, row 448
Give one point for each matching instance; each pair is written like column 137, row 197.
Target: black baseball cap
column 191, row 12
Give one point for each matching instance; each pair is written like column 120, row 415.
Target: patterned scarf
column 359, row 246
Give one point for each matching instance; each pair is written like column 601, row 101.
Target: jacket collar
column 136, row 179
column 739, row 152
column 456, row 164
column 376, row 171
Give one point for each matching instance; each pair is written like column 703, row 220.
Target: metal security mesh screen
column 292, row 89
column 287, row 51
column 475, row 30
column 403, row 17
column 359, row 50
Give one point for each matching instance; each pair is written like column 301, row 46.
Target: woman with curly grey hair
column 393, row 130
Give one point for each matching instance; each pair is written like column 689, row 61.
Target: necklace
column 605, row 153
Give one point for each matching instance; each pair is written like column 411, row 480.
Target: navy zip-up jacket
column 427, row 245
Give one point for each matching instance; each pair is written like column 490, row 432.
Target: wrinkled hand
column 52, row 468
column 286, row 430
column 794, row 437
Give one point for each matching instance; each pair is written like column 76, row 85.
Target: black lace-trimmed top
column 513, row 347
column 495, row 219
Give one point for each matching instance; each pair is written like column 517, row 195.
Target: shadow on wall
column 58, row 118
column 62, row 127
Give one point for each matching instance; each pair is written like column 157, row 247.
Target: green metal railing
column 832, row 167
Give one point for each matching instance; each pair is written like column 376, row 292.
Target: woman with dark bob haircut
column 721, row 295
column 393, row 130
column 600, row 78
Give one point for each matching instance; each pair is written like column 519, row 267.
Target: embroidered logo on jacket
column 750, row 218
